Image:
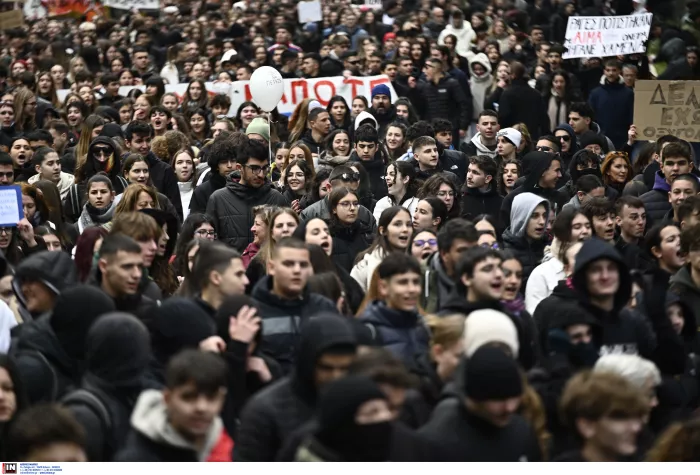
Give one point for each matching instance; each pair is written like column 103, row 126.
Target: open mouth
column 325, row 245
column 510, row 288
column 293, row 183
column 539, row 230
column 157, row 123
column 497, row 286
column 403, row 240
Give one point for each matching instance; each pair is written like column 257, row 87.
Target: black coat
column 376, row 170
column 455, row 161
column 282, row 320
column 164, row 179
column 231, row 208
column 201, row 194
column 465, row 437
column 444, row 100
column 521, row 103
column 274, row 413
column 475, row 202
column 527, row 251
column 348, row 242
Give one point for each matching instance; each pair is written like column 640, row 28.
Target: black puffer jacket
column 444, row 100
column 656, row 201
column 231, row 208
column 349, row 241
column 274, row 413
column 282, row 320
column 454, row 161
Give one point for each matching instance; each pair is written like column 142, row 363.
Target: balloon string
column 269, row 134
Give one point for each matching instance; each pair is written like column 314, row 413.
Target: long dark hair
column 193, row 221
column 432, row 185
column 333, row 200
column 85, row 250
column 21, row 402
column 347, row 121
column 380, row 239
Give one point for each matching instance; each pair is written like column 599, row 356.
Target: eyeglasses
column 7, row 174
column 348, row 177
column 565, row 138
column 349, row 204
column 491, row 246
column 423, row 242
column 443, row 194
column 7, row 231
column 206, row 233
column 257, row 170
column 295, row 175
column 7, row 103
column 543, row 148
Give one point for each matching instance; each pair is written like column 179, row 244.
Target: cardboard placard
column 132, row 4
column 310, row 12
column 600, row 36
column 11, row 19
column 667, row 107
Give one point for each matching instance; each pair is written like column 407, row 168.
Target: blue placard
column 11, row 209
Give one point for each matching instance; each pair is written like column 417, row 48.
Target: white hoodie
column 465, row 37
column 480, row 84
column 544, row 278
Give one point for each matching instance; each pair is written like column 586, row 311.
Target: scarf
column 92, row 216
column 557, row 110
column 514, row 306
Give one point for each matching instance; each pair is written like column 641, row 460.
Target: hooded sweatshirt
column 65, row 181
column 656, row 201
column 573, row 144
column 363, row 116
column 545, row 277
column 274, row 413
column 528, row 251
column 480, row 84
column 117, row 353
column 475, row 147
column 154, row 439
column 622, row 331
column 534, row 164
column 465, row 36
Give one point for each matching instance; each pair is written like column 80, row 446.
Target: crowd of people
column 479, row 263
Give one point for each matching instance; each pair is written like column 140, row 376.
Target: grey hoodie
column 481, row 148
column 151, row 420
column 523, row 206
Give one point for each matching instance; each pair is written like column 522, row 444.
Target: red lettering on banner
column 354, row 83
column 588, row 37
column 248, row 95
column 304, row 89
column 324, row 102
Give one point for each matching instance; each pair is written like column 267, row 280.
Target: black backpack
column 87, row 398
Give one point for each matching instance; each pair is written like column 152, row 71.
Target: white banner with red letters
column 295, row 90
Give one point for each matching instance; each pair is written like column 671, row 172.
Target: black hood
column 38, row 336
column 179, row 323
column 534, row 165
column 690, row 328
column 575, row 174
column 56, row 270
column 117, row 350
column 76, row 310
column 92, row 166
column 319, row 335
column 593, row 250
column 247, row 193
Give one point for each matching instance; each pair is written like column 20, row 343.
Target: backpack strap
column 123, row 182
column 83, row 397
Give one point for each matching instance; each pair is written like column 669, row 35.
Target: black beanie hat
column 230, row 308
column 179, row 323
column 341, row 399
column 591, row 138
column 492, row 375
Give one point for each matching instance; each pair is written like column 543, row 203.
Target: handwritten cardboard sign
column 600, row 36
column 667, row 107
column 309, row 11
column 11, row 209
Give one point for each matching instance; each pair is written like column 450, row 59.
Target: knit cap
column 259, row 126
column 491, row 375
column 489, row 326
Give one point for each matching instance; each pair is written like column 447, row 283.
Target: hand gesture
column 412, row 82
column 213, row 344
column 245, row 325
column 632, row 134
column 296, row 207
column 257, row 365
column 26, row 232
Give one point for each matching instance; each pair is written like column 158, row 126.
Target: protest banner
column 667, row 108
column 600, row 36
column 295, row 90
column 309, row 11
column 132, row 4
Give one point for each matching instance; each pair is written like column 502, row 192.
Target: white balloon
column 266, row 87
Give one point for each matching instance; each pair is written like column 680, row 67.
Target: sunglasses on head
column 348, row 177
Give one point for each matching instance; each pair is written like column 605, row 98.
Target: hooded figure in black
column 624, row 330
column 220, row 151
column 459, row 424
column 242, row 381
column 117, row 352
column 50, row 352
column 534, row 165
column 94, row 163
column 178, row 324
column 55, row 270
column 337, row 436
column 679, row 394
column 280, row 409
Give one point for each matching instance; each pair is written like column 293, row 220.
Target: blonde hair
column 445, row 331
column 131, row 197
